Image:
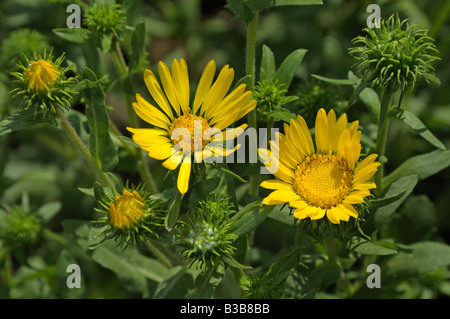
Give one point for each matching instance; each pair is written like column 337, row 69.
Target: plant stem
column 250, row 70
column 76, row 140
column 158, row 253
column 381, row 141
column 122, row 68
column 330, row 246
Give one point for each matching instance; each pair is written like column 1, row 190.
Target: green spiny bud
column 396, row 55
column 106, row 18
column 131, row 217
column 20, row 227
column 270, row 95
column 43, row 84
column 205, row 236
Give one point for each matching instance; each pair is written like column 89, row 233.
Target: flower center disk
column 323, row 180
column 189, row 125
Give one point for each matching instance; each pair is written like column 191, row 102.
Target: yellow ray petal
column 157, row 93
column 183, row 175
column 366, row 173
column 365, row 162
column 276, row 184
column 150, row 114
column 349, row 210
column 204, row 85
column 321, row 131
column 169, row 86
column 218, row 90
column 181, row 80
column 302, row 213
column 149, row 136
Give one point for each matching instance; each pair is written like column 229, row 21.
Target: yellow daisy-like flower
column 321, row 180
column 41, row 75
column 201, row 123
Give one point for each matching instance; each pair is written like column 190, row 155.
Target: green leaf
column 403, row 186
column 380, row 202
column 74, row 35
column 283, row 115
column 49, row 210
column 250, row 220
column 101, row 145
column 206, row 283
column 363, row 246
column 138, row 272
column 289, row 66
column 283, row 264
column 283, row 216
column 369, row 97
column 235, row 264
column 173, row 211
column 241, row 11
column 106, row 42
column 138, row 52
column 417, row 125
column 355, row 81
column 422, row 257
column 65, row 259
column 266, row 4
column 429, row 77
column 23, row 119
column 176, row 284
column 268, row 69
column 320, row 277
column 423, row 166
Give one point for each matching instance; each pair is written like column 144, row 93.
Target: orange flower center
column 323, row 180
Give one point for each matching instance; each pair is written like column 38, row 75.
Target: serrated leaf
column 289, row 66
column 101, row 145
column 417, row 125
column 423, row 166
column 23, row 119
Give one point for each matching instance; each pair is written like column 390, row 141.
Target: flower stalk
column 76, row 140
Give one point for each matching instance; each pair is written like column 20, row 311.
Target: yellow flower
column 126, row 210
column 325, row 180
column 41, row 75
column 204, row 120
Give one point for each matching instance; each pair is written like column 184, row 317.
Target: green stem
column 250, row 70
column 156, row 251
column 381, row 140
column 122, row 68
column 76, row 140
column 330, row 246
column 54, row 236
